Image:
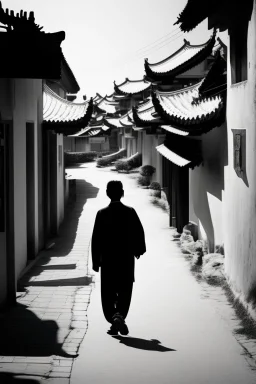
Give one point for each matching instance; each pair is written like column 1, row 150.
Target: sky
column 107, row 40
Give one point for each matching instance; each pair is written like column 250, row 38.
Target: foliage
column 131, row 162
column 79, row 157
column 109, row 159
column 161, row 202
column 122, row 165
column 147, row 170
column 144, row 181
column 155, row 186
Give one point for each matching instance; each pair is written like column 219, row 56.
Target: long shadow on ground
column 65, row 240
column 22, row 333
column 148, row 345
column 10, row 378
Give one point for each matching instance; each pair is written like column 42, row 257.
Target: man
column 117, row 237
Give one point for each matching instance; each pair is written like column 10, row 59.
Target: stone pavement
column 171, row 312
column 41, row 336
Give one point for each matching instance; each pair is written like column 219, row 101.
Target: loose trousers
column 115, row 297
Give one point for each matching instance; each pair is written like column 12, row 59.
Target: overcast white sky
column 106, row 39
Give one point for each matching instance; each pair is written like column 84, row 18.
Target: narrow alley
column 180, row 331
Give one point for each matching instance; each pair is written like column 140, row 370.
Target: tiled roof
column 181, row 151
column 129, row 87
column 216, row 78
column 127, row 119
column 145, row 115
column 97, row 98
column 106, row 106
column 221, row 14
column 64, row 116
column 179, row 110
column 185, row 58
column 113, row 122
column 145, row 105
column 170, row 129
column 172, row 156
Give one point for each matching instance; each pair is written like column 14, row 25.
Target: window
column 238, row 53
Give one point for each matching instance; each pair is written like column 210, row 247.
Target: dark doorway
column 30, row 182
column 176, row 185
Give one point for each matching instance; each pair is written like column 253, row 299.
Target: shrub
column 122, row 165
column 131, row 162
column 147, row 170
column 144, row 181
column 155, row 186
column 79, row 157
column 109, row 159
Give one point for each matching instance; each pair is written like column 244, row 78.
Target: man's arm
column 95, row 243
column 139, row 236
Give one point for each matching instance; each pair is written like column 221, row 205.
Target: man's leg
column 108, row 299
column 124, row 298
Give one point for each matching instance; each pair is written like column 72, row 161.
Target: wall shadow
column 76, row 281
column 147, row 345
column 65, row 240
column 22, row 333
column 10, row 378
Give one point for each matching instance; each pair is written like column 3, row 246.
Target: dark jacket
column 117, row 237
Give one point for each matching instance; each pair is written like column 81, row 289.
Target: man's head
column 115, row 190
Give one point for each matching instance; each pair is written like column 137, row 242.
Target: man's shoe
column 113, row 331
column 124, row 329
column 120, row 325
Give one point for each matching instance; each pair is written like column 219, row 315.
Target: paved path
column 180, row 331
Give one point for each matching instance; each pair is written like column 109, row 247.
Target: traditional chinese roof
column 131, row 87
column 64, row 116
column 67, row 77
column 220, row 13
column 127, row 119
column 176, row 131
column 216, row 79
column 105, row 106
column 97, row 98
column 37, row 53
column 113, row 122
column 87, row 132
column 181, row 151
column 185, row 58
column 146, row 117
column 179, row 109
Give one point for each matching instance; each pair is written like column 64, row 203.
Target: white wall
column 26, row 94
column 240, row 196
column 206, row 187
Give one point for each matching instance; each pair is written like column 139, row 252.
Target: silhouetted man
column 117, row 237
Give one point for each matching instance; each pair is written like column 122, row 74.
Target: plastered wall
column 206, row 187
column 240, row 195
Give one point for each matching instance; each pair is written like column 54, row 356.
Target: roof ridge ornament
column 20, row 23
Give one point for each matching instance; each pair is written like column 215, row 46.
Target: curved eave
column 119, row 92
column 191, row 63
column 72, row 126
column 186, row 148
column 144, row 123
column 110, row 125
column 216, row 78
column 195, row 126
